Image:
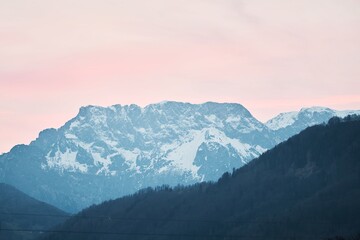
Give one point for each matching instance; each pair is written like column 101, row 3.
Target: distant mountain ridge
column 303, row 116
column 288, row 124
column 107, row 152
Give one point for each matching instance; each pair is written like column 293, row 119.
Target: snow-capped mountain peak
column 107, row 152
column 305, row 117
column 282, row 120
column 316, row 109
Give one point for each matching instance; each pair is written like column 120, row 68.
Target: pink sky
column 269, row 55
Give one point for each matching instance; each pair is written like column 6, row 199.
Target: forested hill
column 305, row 188
column 20, row 214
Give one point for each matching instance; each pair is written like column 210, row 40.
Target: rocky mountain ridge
column 107, row 152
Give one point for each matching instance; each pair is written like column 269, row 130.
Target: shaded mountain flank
column 18, row 212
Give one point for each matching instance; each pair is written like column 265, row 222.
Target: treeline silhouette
column 305, row 188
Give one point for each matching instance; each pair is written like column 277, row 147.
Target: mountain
column 288, row 124
column 105, row 153
column 304, row 188
column 19, row 211
column 108, row 152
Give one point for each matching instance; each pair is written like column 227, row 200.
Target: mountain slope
column 104, row 153
column 304, row 188
column 19, row 211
